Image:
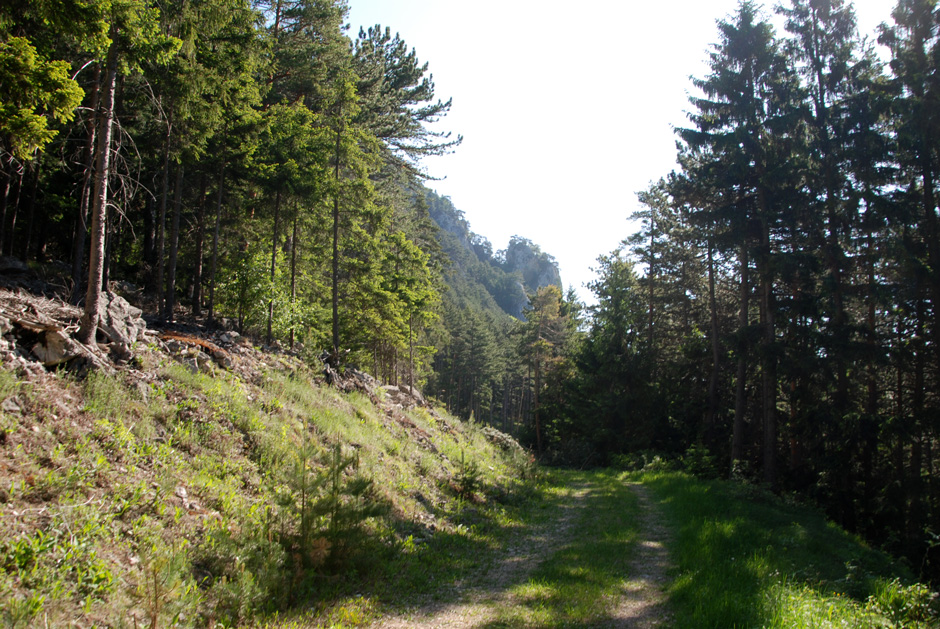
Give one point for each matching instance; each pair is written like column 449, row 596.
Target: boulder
column 120, row 321
column 56, row 348
column 501, row 439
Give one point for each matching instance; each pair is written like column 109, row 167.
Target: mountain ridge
column 508, row 276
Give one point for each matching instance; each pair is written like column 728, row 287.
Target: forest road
column 642, row 604
column 639, row 604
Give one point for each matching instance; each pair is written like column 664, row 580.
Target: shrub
column 906, row 605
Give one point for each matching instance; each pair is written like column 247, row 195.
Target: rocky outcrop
column 37, row 333
column 537, row 268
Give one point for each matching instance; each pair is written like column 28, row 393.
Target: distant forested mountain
column 503, row 279
column 491, row 311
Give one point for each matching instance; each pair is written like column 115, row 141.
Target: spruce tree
column 746, row 125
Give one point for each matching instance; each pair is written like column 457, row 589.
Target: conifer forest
column 253, row 165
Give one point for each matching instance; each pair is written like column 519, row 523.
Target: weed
column 905, row 605
column 20, row 611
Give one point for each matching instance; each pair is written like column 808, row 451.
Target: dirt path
column 641, row 604
column 476, row 603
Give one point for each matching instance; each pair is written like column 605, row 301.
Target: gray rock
column 223, row 360
column 501, row 439
column 120, row 321
column 175, row 346
column 203, row 362
column 56, row 348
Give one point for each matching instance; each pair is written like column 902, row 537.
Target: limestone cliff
column 502, row 280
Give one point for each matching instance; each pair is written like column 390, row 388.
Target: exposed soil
column 642, row 604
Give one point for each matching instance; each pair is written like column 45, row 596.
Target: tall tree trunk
column 450, row 385
column 652, row 278
column 504, row 411
column 293, row 277
column 769, row 384
column 106, row 268
column 740, row 393
column 898, row 498
column 11, row 233
column 200, row 239
column 81, row 223
column 4, row 202
column 31, row 208
column 411, row 354
column 89, row 320
column 768, row 355
column 918, row 409
column 161, row 220
column 931, row 230
column 174, row 245
column 274, row 238
column 335, row 265
column 214, row 267
column 150, row 239
column 871, row 405
column 711, row 417
column 535, row 404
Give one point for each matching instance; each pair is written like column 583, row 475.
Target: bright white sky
column 566, row 109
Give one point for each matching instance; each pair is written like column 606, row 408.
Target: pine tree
column 542, row 337
column 134, row 35
column 396, row 99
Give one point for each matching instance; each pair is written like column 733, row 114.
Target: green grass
column 744, row 558
column 180, row 498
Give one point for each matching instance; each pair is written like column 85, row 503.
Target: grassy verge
column 743, row 558
column 434, row 567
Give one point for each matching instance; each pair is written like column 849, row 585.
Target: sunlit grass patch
column 745, row 558
column 802, row 607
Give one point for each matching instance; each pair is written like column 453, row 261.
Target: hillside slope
column 498, row 281
column 195, row 479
